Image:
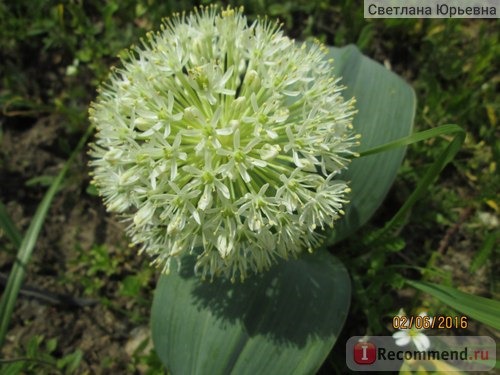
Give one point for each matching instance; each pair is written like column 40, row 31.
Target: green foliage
column 284, row 321
column 376, row 91
column 484, row 310
column 9, row 228
column 456, row 82
column 24, row 252
column 485, row 252
column 99, row 266
column 455, row 51
column 146, row 359
column 133, row 285
column 75, row 41
column 45, row 181
column 42, row 356
column 53, row 54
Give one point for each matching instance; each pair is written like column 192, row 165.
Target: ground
column 89, row 290
column 75, row 223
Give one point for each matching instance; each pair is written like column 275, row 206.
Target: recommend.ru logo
column 451, row 353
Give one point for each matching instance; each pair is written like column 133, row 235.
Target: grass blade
column 9, row 227
column 414, row 138
column 484, row 310
column 430, row 175
column 484, row 253
column 28, row 243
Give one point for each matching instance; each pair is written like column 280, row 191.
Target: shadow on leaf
column 292, row 302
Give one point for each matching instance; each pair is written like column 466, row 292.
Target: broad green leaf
column 284, row 321
column 386, row 108
column 482, row 309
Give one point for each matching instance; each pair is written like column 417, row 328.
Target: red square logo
column 365, row 353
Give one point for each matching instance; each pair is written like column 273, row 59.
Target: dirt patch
column 75, row 223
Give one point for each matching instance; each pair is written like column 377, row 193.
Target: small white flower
column 413, row 335
column 405, row 336
column 223, row 139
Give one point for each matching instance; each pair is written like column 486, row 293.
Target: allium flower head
column 224, row 139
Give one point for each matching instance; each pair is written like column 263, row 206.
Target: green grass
column 53, row 54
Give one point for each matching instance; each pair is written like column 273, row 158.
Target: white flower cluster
column 222, row 139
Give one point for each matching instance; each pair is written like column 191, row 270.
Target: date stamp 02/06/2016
column 429, row 322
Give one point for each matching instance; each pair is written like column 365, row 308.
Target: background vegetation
column 89, row 310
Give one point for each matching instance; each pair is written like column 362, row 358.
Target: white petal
column 403, row 341
column 244, row 174
column 224, row 131
column 206, row 199
column 221, row 188
column 258, row 163
column 402, row 337
column 143, row 215
column 421, row 342
column 268, row 152
column 400, row 334
column 196, row 216
column 271, row 134
column 173, row 170
column 224, row 245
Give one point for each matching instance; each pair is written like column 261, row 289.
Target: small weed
column 98, row 266
column 42, row 356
